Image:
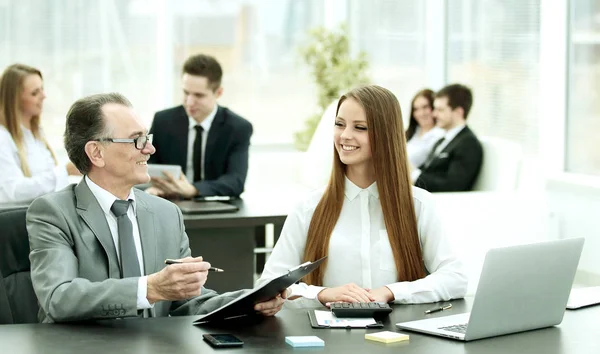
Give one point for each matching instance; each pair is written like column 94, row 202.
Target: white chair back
column 318, row 158
column 501, row 165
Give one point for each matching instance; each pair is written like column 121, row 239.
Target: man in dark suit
column 98, row 247
column 208, row 141
column 455, row 160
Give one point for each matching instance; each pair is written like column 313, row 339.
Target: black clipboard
column 244, row 305
column 314, row 324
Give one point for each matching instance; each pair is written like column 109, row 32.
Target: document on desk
column 328, row 319
column 582, row 297
column 244, row 304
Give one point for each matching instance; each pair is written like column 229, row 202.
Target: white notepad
column 581, row 297
column 326, row 318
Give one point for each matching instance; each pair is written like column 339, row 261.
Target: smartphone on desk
column 222, row 340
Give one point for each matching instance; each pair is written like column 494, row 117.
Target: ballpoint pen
column 441, row 308
column 211, row 269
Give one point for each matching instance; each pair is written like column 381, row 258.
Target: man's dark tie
column 432, row 153
column 130, row 267
column 198, row 153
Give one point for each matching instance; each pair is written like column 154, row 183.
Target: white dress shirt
column 449, row 136
column 418, row 147
column 45, row 177
column 106, row 200
column 206, row 123
column 360, row 251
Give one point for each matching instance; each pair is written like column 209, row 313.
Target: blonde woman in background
column 383, row 237
column 28, row 165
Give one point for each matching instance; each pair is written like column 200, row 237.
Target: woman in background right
column 422, row 133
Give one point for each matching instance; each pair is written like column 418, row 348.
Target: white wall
column 575, row 200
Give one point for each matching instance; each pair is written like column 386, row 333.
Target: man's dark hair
column 85, row 122
column 204, row 65
column 458, row 96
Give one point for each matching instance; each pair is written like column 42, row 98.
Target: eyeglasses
column 139, row 142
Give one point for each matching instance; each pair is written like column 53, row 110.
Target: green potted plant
column 334, row 71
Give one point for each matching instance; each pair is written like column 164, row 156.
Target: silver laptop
column 521, row 288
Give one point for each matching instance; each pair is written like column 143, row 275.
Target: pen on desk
column 211, row 269
column 441, row 308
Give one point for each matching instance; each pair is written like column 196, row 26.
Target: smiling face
column 32, row 97
column 124, row 164
column 351, row 136
column 423, row 113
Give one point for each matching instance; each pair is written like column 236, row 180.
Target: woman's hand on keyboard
column 345, row 293
column 383, row 294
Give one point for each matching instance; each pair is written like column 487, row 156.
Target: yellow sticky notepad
column 387, row 337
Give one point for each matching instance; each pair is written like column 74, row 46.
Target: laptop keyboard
column 461, row 328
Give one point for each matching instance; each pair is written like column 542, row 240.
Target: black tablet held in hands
column 244, row 305
column 222, row 340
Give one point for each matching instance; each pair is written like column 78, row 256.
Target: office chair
column 18, row 303
column 501, row 166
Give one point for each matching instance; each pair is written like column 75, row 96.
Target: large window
column 81, row 47
column 137, row 47
column 583, row 120
column 493, row 47
column 392, row 33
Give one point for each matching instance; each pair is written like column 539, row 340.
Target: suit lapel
column 93, row 215
column 457, row 139
column 214, row 133
column 182, row 123
column 145, row 219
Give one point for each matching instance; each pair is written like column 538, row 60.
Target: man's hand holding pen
column 179, row 281
column 175, row 261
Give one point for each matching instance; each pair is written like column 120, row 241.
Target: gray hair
column 85, row 122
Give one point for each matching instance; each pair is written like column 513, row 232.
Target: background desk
column 228, row 240
column 578, row 333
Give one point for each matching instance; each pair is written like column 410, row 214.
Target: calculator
column 360, row 309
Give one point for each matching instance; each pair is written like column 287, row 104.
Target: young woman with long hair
column 29, row 166
column 383, row 238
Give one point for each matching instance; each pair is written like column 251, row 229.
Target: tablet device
column 156, row 170
column 244, row 305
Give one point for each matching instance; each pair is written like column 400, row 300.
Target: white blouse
column 45, row 175
column 418, row 147
column 360, row 251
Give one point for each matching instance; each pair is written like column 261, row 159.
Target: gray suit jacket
column 74, row 264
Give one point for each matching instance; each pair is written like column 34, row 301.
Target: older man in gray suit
column 97, row 248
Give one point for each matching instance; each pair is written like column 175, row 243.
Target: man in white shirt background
column 210, row 142
column 455, row 160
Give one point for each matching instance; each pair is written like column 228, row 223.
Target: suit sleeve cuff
column 406, row 292
column 312, row 291
column 309, row 293
column 142, row 292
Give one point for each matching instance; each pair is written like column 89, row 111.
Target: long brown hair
column 11, row 89
column 388, row 150
column 412, row 122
